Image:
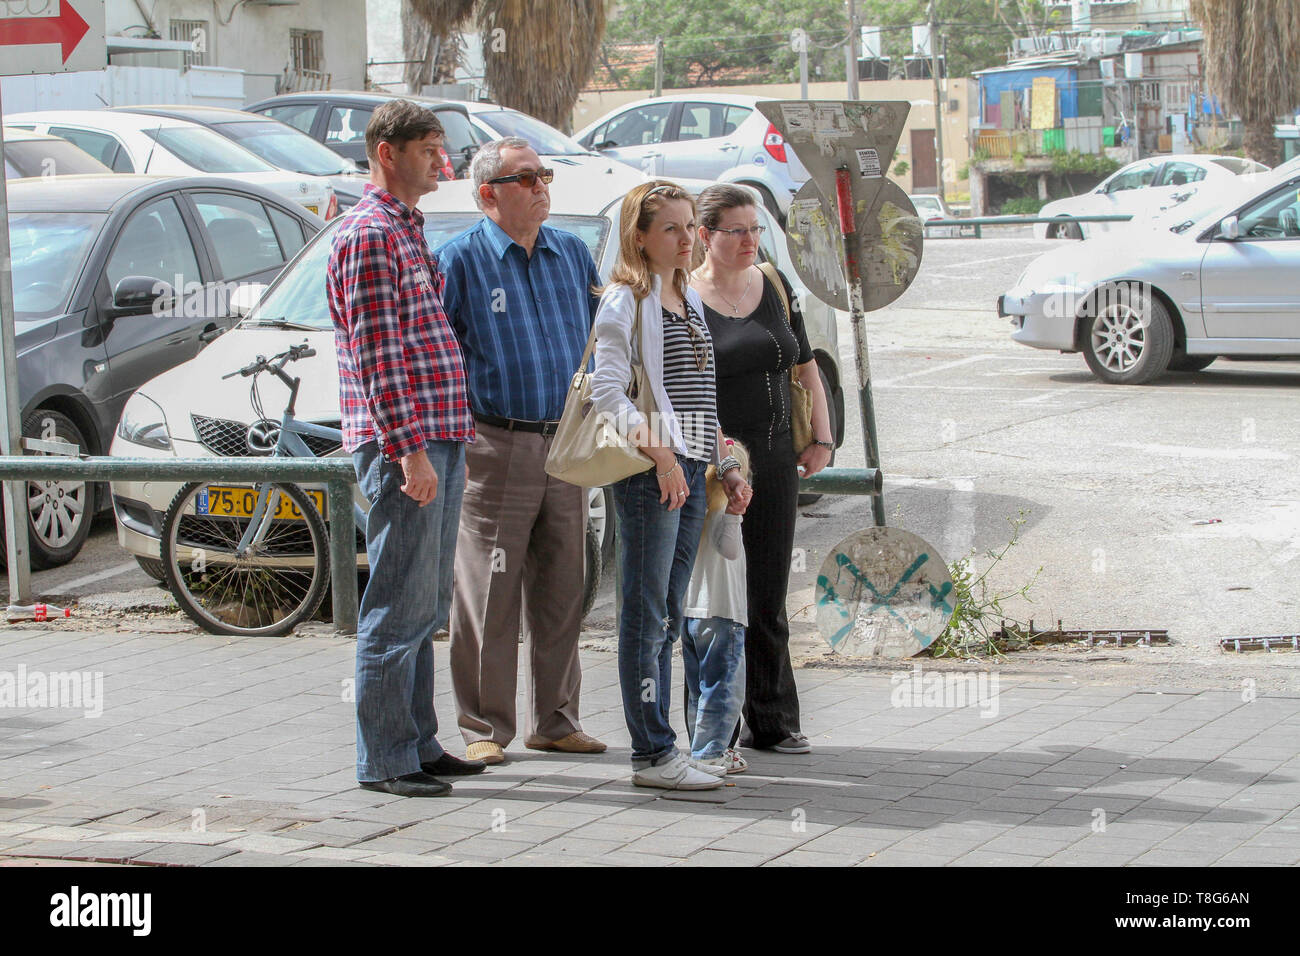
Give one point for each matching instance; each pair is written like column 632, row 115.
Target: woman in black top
column 755, row 344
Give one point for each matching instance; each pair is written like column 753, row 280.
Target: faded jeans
column 713, row 653
column 656, row 554
column 407, row 598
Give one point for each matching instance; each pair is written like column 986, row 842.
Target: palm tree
column 1251, row 52
column 537, row 55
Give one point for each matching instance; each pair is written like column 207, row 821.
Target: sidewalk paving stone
column 255, row 732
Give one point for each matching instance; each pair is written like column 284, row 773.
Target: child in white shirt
column 713, row 642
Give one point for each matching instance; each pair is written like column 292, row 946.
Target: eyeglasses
column 754, row 231
column 528, row 180
column 699, row 343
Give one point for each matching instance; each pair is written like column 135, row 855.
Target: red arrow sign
column 67, row 29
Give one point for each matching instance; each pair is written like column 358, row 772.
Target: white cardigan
column 616, row 353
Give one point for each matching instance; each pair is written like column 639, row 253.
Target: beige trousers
column 519, row 555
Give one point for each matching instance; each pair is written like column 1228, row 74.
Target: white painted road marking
column 99, row 576
column 886, row 383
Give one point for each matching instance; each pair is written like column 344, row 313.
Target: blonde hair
column 715, row 492
column 640, row 206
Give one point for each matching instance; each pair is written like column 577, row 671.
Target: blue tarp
column 1067, row 89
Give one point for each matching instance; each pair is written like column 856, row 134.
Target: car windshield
column 298, row 295
column 927, row 204
column 48, row 250
column 547, row 140
column 1239, row 166
column 286, row 147
column 207, row 151
column 1202, row 209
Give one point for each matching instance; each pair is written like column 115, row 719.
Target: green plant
column 978, row 610
column 979, row 154
column 901, row 167
column 1018, row 160
column 1022, row 206
column 1093, row 164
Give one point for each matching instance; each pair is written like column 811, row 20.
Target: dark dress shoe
column 409, row 785
column 449, row 766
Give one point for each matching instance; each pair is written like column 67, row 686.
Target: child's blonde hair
column 714, row 491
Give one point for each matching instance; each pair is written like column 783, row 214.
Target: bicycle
column 255, row 561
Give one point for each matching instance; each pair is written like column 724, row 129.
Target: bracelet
column 829, row 446
column 726, row 465
column 668, row 472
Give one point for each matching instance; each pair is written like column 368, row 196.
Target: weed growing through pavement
column 978, row 608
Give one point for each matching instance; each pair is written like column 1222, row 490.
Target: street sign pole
column 11, row 427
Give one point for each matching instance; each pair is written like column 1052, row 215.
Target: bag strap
column 774, row 277
column 591, row 339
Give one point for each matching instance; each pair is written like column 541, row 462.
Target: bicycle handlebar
column 275, row 363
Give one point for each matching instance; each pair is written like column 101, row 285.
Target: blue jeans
column 406, row 599
column 713, row 653
column 656, row 553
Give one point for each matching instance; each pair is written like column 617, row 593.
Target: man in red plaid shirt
column 406, row 420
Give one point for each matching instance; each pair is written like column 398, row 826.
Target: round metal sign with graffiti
column 883, row 592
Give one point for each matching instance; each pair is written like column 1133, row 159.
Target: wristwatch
column 829, row 446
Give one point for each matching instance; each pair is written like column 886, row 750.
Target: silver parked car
column 713, row 136
column 1139, row 303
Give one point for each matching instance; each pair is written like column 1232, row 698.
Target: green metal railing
column 980, row 221
column 337, row 474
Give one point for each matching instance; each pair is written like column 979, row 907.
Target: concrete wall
column 920, row 93
column 257, row 38
column 122, row 86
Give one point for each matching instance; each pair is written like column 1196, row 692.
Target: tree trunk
column 1260, row 143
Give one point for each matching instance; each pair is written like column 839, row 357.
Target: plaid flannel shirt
column 401, row 375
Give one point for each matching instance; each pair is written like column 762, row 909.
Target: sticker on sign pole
column 869, row 163
column 883, row 592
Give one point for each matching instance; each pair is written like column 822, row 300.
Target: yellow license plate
column 240, row 502
column 311, row 209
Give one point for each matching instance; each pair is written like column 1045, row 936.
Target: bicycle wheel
column 592, row 568
column 270, row 589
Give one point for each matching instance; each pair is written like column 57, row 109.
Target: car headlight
column 144, row 423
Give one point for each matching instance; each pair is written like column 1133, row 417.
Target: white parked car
column 492, row 122
column 931, row 207
column 192, row 412
column 136, row 143
column 1143, row 190
column 714, row 136
column 1140, row 303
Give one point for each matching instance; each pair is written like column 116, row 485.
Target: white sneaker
column 713, row 765
column 676, row 774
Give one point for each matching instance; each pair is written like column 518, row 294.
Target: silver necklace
column 735, row 306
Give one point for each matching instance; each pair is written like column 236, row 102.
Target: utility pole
column 659, row 66
column 851, row 51
column 938, row 97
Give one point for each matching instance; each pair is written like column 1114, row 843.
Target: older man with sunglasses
column 519, row 296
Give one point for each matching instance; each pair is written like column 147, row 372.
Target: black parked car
column 338, row 119
column 278, row 143
column 116, row 279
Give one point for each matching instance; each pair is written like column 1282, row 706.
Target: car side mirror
column 604, row 144
column 247, row 295
column 136, row 295
column 1229, row 228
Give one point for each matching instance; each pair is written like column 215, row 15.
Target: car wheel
column 1131, row 339
column 151, row 567
column 59, row 512
column 769, row 201
column 600, row 520
column 1190, row 363
column 1064, row 230
column 810, row 497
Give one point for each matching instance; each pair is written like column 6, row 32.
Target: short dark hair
column 398, row 122
column 718, row 198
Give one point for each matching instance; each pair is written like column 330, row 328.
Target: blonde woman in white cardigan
column 660, row 511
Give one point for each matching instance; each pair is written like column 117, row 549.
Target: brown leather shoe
column 575, row 743
column 488, row 751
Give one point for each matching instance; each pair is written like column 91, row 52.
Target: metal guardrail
column 844, row 481
column 337, row 474
column 979, row 221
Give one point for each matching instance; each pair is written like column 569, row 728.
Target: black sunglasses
column 528, row 180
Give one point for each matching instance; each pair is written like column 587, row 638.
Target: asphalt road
column 1113, row 482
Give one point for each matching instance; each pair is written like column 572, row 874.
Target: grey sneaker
column 794, row 744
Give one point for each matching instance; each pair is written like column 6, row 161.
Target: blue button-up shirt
column 523, row 321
